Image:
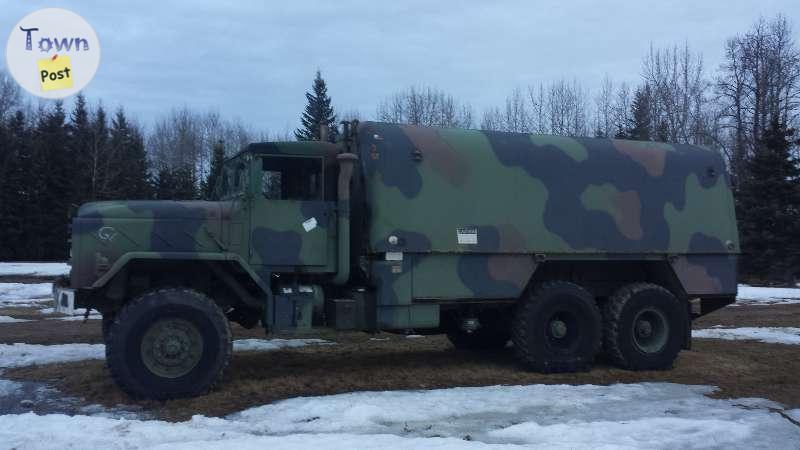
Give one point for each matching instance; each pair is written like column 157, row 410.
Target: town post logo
column 53, row 53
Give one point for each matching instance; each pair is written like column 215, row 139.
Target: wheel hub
column 558, row 328
column 171, row 347
column 651, row 330
column 644, row 328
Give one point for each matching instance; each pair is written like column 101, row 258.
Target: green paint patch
column 708, row 211
column 568, row 145
column 600, row 198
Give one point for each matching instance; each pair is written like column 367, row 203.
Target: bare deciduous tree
column 759, row 81
column 567, row 107
column 603, row 109
column 9, row 94
column 185, row 139
column 425, row 106
column 679, row 90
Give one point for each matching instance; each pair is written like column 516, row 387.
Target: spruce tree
column 129, row 163
column 318, row 111
column 642, row 122
column 174, row 184
column 6, row 187
column 18, row 193
column 51, row 180
column 80, row 141
column 768, row 207
column 215, row 173
column 99, row 179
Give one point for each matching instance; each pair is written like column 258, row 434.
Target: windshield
column 233, row 180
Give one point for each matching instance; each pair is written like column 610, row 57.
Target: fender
column 125, row 259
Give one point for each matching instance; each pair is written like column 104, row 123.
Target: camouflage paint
column 567, row 198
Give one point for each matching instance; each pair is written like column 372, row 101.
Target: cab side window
column 292, row 178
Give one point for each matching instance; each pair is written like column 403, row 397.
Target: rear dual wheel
column 557, row 328
column 644, row 327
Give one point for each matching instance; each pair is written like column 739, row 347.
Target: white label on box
column 467, row 236
column 394, row 256
column 310, row 224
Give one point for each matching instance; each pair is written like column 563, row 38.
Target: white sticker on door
column 310, row 224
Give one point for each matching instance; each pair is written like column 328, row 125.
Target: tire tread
column 115, row 357
column 519, row 333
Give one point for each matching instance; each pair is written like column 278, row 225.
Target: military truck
column 562, row 246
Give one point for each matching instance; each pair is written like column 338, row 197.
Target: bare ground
column 362, row 361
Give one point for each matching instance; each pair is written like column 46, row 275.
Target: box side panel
column 467, row 191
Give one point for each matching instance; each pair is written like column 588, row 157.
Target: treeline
column 52, row 159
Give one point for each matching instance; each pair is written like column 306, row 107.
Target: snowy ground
column 647, row 415
column 751, row 295
column 34, row 269
column 769, row 335
column 9, row 319
column 20, row 354
column 25, row 294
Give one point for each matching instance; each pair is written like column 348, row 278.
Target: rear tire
column 168, row 343
column 644, row 327
column 557, row 328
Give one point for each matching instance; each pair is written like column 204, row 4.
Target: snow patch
column 9, row 319
column 751, row 295
column 36, row 269
column 18, row 355
column 24, row 294
column 251, row 345
column 8, row 387
column 647, row 415
column 769, row 335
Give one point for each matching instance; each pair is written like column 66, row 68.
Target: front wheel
column 168, row 343
column 644, row 327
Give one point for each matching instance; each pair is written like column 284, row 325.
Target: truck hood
column 103, row 232
column 156, row 209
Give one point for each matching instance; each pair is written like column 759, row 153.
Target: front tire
column 557, row 328
column 108, row 319
column 168, row 343
column 644, row 327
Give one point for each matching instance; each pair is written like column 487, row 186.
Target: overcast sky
column 255, row 59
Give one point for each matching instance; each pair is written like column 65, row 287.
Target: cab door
column 290, row 221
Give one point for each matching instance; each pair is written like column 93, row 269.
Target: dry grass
column 359, row 363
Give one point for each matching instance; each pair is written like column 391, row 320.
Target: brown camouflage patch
column 695, row 278
column 511, row 239
column 516, row 269
column 651, row 155
column 450, row 164
column 628, row 214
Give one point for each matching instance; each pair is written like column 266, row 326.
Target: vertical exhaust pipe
column 324, row 132
column 346, row 163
